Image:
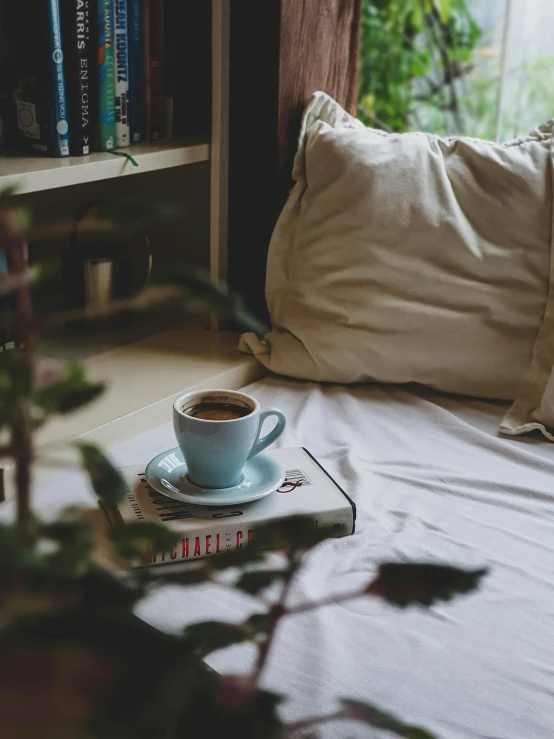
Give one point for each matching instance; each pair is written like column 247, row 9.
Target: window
column 466, row 67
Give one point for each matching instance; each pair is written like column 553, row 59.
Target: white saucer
column 167, row 474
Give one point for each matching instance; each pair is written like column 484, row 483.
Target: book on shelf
column 136, row 73
column 106, row 76
column 171, row 39
column 34, row 33
column 146, row 68
column 122, row 127
column 308, row 489
column 84, row 75
column 155, row 62
column 79, row 50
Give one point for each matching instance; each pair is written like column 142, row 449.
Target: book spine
column 146, row 69
column 155, row 66
column 235, row 535
column 60, row 125
column 106, row 76
column 206, row 543
column 136, row 61
column 172, row 37
column 78, row 19
column 122, row 128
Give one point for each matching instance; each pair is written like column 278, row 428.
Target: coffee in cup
column 212, row 411
column 218, row 431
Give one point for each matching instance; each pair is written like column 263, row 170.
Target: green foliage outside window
column 415, row 56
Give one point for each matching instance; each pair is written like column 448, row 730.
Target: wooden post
column 281, row 52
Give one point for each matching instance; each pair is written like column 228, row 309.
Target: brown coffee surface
column 217, row 411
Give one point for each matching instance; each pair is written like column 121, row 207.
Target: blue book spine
column 60, row 125
column 136, row 65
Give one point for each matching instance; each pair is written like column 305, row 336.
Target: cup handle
column 264, row 441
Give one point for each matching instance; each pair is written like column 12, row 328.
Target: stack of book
column 88, row 75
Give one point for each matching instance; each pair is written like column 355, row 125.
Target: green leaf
column 236, row 709
column 444, row 8
column 75, row 546
column 236, row 558
column 201, row 293
column 404, row 584
column 189, row 575
column 106, row 481
column 68, row 394
column 23, row 219
column 141, row 538
column 210, row 636
column 293, row 533
column 260, row 623
column 8, row 191
column 130, row 213
column 370, row 714
column 254, row 581
column 72, row 399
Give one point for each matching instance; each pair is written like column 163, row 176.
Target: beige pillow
column 410, row 258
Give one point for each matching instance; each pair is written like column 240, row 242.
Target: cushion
column 412, row 258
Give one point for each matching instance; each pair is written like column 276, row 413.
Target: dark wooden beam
column 281, row 52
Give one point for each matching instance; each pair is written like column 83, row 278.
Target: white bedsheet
column 432, row 480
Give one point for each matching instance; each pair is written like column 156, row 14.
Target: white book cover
column 122, row 123
column 308, row 489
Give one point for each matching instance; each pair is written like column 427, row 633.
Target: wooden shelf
column 32, row 174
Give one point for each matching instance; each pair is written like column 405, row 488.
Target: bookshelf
column 36, row 174
column 145, row 372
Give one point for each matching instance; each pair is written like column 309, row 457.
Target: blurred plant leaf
column 23, row 219
column 132, row 212
column 254, row 581
column 106, row 481
column 260, row 623
column 75, row 543
column 403, row 584
column 368, row 713
column 70, row 393
column 236, row 709
column 201, row 293
column 237, row 558
column 209, row 636
column 142, row 538
column 67, row 685
column 295, row 533
column 16, row 383
column 8, row 192
column 14, row 223
column 443, row 8
column 12, row 281
column 15, row 556
column 187, row 576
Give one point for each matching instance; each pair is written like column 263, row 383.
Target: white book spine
column 206, row 541
column 122, row 124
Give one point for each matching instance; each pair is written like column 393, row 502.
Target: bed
column 432, row 480
column 408, row 259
